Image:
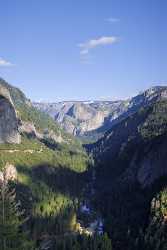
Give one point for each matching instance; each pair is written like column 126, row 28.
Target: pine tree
column 11, row 236
column 106, row 243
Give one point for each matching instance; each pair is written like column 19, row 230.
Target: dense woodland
column 41, row 209
column 130, row 219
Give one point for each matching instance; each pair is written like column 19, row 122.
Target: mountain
column 46, row 167
column 130, row 167
column 72, row 199
column 31, row 120
column 77, row 118
column 90, row 120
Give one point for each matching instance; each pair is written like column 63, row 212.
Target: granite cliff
column 18, row 117
column 91, row 119
column 8, row 118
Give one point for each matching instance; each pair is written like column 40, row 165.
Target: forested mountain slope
column 69, row 200
column 47, row 173
column 131, row 169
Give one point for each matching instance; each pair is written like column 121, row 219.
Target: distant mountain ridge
column 91, row 119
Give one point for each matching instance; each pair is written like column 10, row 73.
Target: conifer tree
column 11, row 220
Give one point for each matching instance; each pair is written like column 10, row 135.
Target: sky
column 83, row 49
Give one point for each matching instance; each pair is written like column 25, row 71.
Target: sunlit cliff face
column 8, row 120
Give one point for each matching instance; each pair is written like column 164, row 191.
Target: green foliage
column 136, row 142
column 82, row 242
column 156, row 123
column 51, row 180
column 49, row 184
column 153, row 237
column 11, row 222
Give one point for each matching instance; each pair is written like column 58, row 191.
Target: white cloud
column 113, row 20
column 93, row 43
column 4, row 63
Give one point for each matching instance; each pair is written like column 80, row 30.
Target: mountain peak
column 155, row 89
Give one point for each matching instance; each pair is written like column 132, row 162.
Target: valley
column 89, row 120
column 109, row 194
column 83, row 125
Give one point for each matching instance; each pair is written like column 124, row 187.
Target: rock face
column 49, row 134
column 78, row 118
column 84, row 118
column 8, row 119
column 9, row 173
column 94, row 118
column 153, row 165
column 28, row 128
column 31, row 121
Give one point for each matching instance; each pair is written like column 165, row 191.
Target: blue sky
column 74, row 49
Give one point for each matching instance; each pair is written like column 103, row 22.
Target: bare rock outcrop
column 49, row 134
column 28, row 128
column 8, row 119
column 8, row 174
